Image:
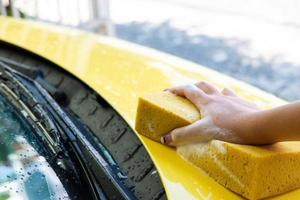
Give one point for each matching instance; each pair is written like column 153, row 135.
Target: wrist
column 250, row 128
column 259, row 130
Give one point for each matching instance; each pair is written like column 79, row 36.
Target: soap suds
column 202, row 150
column 219, row 145
column 205, row 130
column 150, row 127
column 227, row 171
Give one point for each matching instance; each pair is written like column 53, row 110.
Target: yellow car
column 67, row 108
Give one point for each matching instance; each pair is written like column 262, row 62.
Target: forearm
column 277, row 124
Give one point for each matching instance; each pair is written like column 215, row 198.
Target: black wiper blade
column 20, row 97
column 77, row 141
column 24, row 69
column 35, row 106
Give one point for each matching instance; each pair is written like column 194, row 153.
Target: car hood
column 121, row 72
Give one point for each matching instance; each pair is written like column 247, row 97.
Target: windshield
column 25, row 173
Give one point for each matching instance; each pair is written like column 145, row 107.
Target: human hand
column 225, row 116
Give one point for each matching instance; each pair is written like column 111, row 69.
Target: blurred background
column 257, row 41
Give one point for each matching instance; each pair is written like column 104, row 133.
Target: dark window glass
column 24, row 172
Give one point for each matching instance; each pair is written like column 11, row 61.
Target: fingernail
column 166, row 139
column 162, row 140
column 165, row 90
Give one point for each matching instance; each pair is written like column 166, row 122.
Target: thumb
column 202, row 130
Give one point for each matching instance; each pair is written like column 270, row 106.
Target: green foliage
column 4, row 196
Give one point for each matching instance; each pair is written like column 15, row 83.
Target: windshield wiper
column 63, row 128
column 34, row 103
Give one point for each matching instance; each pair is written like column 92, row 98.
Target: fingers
column 192, row 93
column 201, row 131
column 228, row 92
column 207, row 87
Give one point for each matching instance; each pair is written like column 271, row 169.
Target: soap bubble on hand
column 222, row 116
column 202, row 130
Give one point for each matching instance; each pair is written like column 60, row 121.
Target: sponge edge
column 253, row 172
column 159, row 113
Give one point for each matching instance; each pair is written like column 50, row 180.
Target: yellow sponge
column 254, row 172
column 159, row 113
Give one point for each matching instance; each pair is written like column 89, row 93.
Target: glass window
column 24, row 172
